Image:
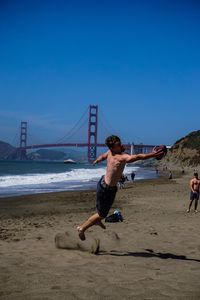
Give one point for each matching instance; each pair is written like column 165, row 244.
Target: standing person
column 194, row 193
column 107, row 185
column 132, row 176
column 121, row 182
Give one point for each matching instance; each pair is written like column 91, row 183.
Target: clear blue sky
column 138, row 60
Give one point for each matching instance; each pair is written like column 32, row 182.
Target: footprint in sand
column 69, row 240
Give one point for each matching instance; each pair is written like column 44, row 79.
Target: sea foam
column 80, row 175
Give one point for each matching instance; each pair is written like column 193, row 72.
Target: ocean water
column 22, row 177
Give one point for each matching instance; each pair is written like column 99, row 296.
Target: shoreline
column 87, row 189
column 157, row 254
column 31, row 184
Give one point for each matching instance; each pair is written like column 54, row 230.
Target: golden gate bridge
column 91, row 144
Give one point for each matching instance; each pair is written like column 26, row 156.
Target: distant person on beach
column 107, row 185
column 194, row 193
column 170, row 175
column 122, row 181
column 132, row 176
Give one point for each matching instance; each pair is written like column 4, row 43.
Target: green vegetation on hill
column 191, row 141
column 186, row 151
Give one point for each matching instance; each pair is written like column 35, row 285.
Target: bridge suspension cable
column 74, row 129
column 34, row 138
column 106, row 124
column 15, row 140
column 74, row 133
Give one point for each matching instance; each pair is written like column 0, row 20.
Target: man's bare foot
column 81, row 233
column 99, row 223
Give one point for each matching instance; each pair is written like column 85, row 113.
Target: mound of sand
column 69, row 240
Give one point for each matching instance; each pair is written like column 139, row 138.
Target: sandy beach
column 157, row 255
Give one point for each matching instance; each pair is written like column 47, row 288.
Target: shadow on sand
column 149, row 253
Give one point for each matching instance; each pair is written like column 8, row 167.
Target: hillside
column 46, row 154
column 186, row 151
column 6, row 150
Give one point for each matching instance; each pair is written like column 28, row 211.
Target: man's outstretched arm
column 135, row 157
column 101, row 157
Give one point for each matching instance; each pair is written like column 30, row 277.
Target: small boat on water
column 69, row 161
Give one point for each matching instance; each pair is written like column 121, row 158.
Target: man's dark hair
column 195, row 174
column 111, row 140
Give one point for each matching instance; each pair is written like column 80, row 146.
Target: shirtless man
column 107, row 185
column 194, row 193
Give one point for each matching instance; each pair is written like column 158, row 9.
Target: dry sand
column 156, row 257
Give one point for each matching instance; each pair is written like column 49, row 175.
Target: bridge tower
column 92, row 132
column 23, row 141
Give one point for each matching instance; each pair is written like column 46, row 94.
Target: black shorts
column 105, row 197
column 194, row 196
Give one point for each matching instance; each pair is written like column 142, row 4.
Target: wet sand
column 157, row 255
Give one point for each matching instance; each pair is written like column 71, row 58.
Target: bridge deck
column 79, row 145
